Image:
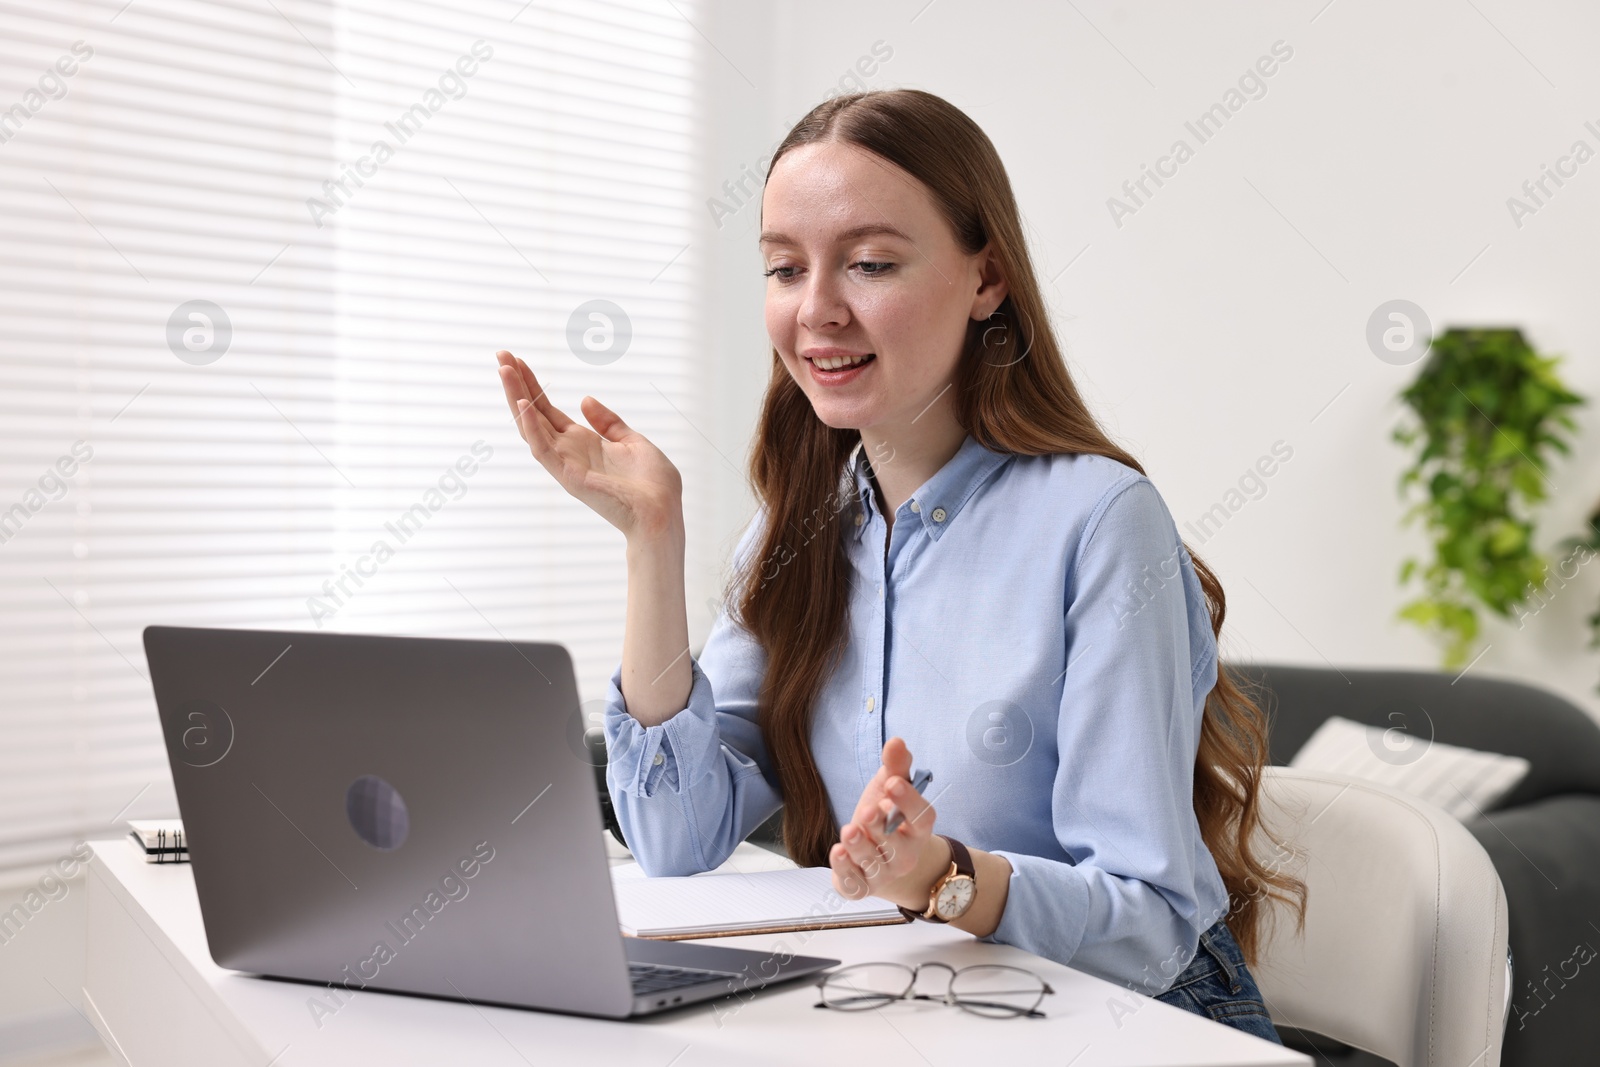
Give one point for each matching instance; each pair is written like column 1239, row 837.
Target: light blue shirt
column 1037, row 635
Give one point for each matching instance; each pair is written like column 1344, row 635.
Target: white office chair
column 1404, row 952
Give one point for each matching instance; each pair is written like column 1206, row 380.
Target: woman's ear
column 992, row 288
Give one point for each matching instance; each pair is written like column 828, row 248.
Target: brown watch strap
column 961, row 860
column 962, row 857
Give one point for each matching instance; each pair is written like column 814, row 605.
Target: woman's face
column 860, row 261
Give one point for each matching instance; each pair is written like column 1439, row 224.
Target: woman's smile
column 837, row 366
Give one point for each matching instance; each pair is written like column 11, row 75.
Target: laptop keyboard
column 655, row 977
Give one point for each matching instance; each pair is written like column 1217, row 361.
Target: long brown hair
column 1013, row 394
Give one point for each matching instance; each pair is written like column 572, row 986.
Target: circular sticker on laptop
column 377, row 813
column 204, row 733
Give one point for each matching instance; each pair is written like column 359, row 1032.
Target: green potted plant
column 1487, row 409
column 1580, row 551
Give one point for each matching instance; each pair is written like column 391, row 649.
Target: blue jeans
column 1218, row 985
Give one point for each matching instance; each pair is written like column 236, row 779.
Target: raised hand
column 612, row 468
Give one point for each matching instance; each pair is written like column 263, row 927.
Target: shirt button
column 871, row 701
column 915, row 506
column 938, row 514
column 659, row 760
column 860, row 518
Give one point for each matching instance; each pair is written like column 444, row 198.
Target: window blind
column 258, row 257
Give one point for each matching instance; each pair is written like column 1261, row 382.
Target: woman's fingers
column 539, row 422
column 511, row 375
column 896, row 761
column 916, row 809
column 525, row 427
column 864, row 852
column 536, row 395
column 520, row 382
column 537, row 432
column 511, row 382
column 888, row 844
column 611, row 467
column 870, row 796
column 848, row 880
column 516, row 397
column 607, row 423
column 896, row 756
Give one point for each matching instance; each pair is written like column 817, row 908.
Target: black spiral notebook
column 161, row 840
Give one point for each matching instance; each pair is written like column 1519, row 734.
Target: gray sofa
column 1544, row 836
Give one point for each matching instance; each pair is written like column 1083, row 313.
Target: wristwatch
column 955, row 890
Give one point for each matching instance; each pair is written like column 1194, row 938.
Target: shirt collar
column 940, row 499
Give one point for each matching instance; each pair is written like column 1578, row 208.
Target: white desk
column 157, row 999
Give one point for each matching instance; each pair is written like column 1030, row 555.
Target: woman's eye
column 881, row 268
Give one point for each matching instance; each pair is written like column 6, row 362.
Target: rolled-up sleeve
column 1139, row 884
column 689, row 789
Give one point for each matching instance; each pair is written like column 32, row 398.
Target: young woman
column 952, row 559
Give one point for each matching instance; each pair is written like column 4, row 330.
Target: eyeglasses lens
column 866, row 985
column 997, row 991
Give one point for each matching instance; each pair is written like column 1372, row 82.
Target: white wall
column 1229, row 311
column 741, row 131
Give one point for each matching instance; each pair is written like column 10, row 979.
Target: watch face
column 955, row 897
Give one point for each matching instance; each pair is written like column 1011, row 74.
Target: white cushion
column 1463, row 781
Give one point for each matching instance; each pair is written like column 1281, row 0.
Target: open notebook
column 722, row 904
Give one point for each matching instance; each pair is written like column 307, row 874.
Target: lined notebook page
column 722, row 903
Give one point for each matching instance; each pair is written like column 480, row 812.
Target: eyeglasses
column 988, row 989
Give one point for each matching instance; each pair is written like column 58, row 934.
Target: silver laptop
column 415, row 815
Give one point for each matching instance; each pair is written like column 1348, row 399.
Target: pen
column 919, row 782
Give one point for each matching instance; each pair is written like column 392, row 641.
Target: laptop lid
column 396, row 813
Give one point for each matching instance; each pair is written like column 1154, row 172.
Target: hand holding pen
column 888, row 848
column 919, row 782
